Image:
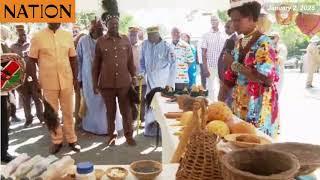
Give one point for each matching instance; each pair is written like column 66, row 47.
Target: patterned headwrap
column 111, row 10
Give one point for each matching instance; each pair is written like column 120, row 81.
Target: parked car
column 291, row 63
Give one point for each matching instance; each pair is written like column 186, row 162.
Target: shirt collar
column 49, row 30
column 20, row 45
column 110, row 37
column 212, row 31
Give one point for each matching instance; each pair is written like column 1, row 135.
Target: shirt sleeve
column 266, row 61
column 34, row 48
column 142, row 61
column 80, row 59
column 96, row 63
column 172, row 67
column 131, row 66
column 199, row 52
column 72, row 49
column 204, row 42
column 189, row 55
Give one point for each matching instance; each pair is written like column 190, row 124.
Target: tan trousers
column 313, row 67
column 213, row 84
column 64, row 98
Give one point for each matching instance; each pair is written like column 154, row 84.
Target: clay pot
column 256, row 164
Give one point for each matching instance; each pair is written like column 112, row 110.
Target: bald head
column 175, row 34
column 214, row 22
column 229, row 27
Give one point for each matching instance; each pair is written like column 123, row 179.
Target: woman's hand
column 252, row 74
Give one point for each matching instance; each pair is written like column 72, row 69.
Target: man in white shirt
column 212, row 45
column 313, row 58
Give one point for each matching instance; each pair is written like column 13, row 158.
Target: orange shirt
column 53, row 51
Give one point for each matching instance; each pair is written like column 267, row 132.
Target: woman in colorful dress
column 254, row 70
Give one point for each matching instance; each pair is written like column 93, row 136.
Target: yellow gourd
column 219, row 128
column 219, row 110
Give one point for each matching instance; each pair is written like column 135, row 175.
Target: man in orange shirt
column 54, row 52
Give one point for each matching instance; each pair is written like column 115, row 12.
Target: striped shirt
column 213, row 42
column 183, row 57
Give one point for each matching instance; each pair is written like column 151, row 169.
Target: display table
column 169, row 128
column 168, row 172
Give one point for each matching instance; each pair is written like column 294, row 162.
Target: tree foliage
column 125, row 22
column 83, row 19
column 293, row 38
column 223, row 16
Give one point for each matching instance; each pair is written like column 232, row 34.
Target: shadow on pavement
column 36, row 140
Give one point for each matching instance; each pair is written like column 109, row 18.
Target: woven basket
column 200, row 161
column 307, row 154
column 259, row 164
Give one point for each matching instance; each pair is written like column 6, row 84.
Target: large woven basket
column 259, row 164
column 200, row 161
column 307, row 154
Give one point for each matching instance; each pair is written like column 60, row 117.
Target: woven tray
column 307, row 154
column 259, row 164
column 200, row 161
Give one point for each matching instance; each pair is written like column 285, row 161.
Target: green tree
column 83, row 19
column 125, row 22
column 223, row 16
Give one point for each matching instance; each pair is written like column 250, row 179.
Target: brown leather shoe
column 75, row 146
column 55, row 148
column 131, row 142
column 111, row 140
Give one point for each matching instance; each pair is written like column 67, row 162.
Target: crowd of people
column 105, row 68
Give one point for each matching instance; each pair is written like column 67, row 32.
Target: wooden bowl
column 233, row 139
column 146, row 169
column 112, row 176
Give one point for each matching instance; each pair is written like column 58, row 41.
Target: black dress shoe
column 55, row 148
column 6, row 158
column 75, row 147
